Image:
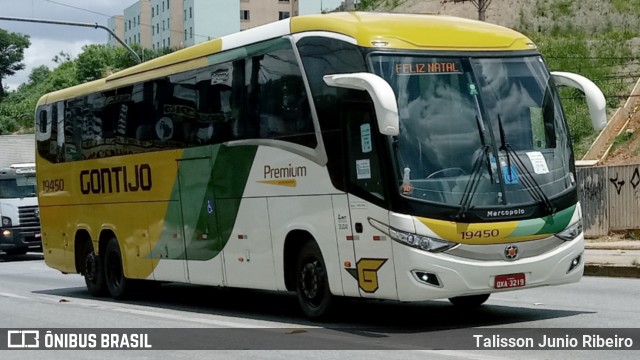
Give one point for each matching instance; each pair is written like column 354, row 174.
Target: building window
column 152, row 12
column 283, row 15
column 168, row 42
column 190, row 12
column 185, row 14
column 167, row 4
column 163, row 28
column 190, row 33
column 244, row 15
column 185, row 34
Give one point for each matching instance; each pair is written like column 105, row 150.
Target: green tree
column 95, row 62
column 12, row 47
column 481, row 5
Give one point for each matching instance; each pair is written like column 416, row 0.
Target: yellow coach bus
column 402, row 157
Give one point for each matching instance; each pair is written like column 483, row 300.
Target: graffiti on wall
column 619, row 183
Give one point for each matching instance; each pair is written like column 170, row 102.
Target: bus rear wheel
column 117, row 283
column 312, row 283
column 93, row 272
column 469, row 301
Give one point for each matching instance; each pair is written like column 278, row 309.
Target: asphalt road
column 32, row 296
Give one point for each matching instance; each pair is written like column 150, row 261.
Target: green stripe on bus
column 211, row 181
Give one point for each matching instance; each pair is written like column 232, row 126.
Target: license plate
column 509, row 281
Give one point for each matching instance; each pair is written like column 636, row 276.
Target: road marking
column 169, row 315
column 463, row 354
column 14, row 296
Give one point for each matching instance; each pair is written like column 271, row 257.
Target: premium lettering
column 284, row 172
column 116, row 179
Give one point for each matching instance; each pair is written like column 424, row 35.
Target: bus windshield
column 489, row 131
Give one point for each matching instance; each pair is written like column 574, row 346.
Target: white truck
column 20, row 226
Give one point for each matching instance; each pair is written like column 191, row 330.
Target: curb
column 611, row 271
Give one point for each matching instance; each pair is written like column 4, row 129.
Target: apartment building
column 137, row 21
column 115, row 24
column 259, row 12
column 159, row 24
column 205, row 20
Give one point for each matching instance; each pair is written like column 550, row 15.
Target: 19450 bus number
column 480, row 234
column 53, row 185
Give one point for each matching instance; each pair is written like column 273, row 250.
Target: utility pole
column 349, row 5
column 481, row 5
column 70, row 23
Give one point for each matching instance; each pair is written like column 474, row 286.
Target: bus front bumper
column 424, row 276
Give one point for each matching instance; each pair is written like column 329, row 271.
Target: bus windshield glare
column 487, row 131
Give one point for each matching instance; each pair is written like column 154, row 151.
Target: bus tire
column 118, row 285
column 469, row 301
column 312, row 282
column 93, row 272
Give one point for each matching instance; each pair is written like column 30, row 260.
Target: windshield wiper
column 472, row 184
column 529, row 181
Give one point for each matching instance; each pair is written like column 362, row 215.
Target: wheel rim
column 311, row 283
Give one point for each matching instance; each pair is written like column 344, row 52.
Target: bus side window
column 213, row 105
column 363, row 159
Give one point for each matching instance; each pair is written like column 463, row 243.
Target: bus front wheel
column 469, row 301
column 312, row 283
column 117, row 283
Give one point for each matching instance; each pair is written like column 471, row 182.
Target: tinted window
column 251, row 92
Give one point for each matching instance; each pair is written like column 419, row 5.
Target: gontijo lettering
column 116, row 179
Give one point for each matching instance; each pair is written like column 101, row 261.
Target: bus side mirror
column 595, row 99
column 384, row 99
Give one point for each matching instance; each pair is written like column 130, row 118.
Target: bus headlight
column 571, row 232
column 6, row 221
column 421, row 242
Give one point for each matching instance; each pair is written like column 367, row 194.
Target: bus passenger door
column 373, row 269
column 202, row 245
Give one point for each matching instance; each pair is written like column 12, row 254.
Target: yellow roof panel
column 415, row 31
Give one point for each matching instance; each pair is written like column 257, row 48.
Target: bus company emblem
column 366, row 272
column 36, row 212
column 511, row 252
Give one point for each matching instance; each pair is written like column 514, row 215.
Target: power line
column 180, row 32
column 78, row 8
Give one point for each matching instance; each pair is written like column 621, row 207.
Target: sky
column 48, row 40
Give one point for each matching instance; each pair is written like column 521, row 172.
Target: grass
column 621, row 139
